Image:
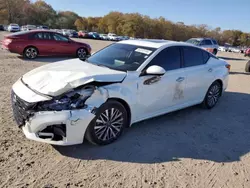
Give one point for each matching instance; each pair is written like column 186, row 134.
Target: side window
column 42, row 36
column 206, row 56
column 59, row 37
column 208, row 42
column 38, row 36
column 169, row 59
column 192, row 56
column 47, row 36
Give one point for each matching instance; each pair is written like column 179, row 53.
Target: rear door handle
column 180, row 79
column 210, row 70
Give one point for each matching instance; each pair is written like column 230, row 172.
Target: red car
column 247, row 52
column 35, row 43
column 82, row 34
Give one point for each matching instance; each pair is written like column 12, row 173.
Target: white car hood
column 57, row 78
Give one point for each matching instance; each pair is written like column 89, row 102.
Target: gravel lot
column 192, row 148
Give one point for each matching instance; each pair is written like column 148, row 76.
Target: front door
column 62, row 45
column 157, row 94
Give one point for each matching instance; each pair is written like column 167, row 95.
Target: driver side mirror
column 155, row 70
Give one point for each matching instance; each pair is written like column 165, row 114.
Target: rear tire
column 213, row 95
column 81, row 53
column 111, row 118
column 215, row 51
column 247, row 68
column 30, row 52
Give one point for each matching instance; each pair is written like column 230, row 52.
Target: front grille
column 22, row 110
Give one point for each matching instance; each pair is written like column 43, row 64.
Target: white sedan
column 127, row 82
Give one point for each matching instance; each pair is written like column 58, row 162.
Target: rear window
column 193, row 56
column 214, row 41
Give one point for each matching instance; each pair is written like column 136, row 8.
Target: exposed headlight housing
column 69, row 101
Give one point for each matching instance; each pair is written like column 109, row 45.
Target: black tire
column 247, row 68
column 100, row 132
column 30, row 52
column 212, row 96
column 81, row 53
column 215, row 51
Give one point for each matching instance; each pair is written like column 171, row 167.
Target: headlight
column 69, row 101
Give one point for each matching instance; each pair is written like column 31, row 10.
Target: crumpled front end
column 61, row 120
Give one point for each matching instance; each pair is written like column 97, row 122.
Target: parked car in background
column 104, row 36
column 66, row 32
column 222, row 48
column 35, row 43
column 73, row 34
column 83, row 34
column 1, row 27
column 208, row 44
column 28, row 27
column 247, row 52
column 93, row 35
column 236, row 50
column 113, row 37
column 5, row 27
column 63, row 103
column 43, row 27
column 13, row 27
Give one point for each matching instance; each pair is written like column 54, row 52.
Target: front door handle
column 210, row 70
column 180, row 79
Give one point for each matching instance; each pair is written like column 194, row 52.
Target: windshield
column 123, row 57
column 193, row 41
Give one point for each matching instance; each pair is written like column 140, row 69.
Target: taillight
column 228, row 67
column 7, row 41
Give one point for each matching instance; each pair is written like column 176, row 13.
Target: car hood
column 57, row 78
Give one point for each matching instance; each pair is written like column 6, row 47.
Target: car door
column 156, row 94
column 207, row 45
column 42, row 41
column 63, row 45
column 199, row 75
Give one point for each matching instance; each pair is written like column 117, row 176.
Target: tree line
column 128, row 24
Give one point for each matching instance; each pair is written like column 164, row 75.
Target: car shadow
column 221, row 135
column 243, row 73
column 46, row 59
column 232, row 59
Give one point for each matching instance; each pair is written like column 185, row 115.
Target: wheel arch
column 221, row 84
column 126, row 106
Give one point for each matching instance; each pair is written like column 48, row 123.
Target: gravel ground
column 191, row 148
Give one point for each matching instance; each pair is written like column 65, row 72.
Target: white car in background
column 104, row 37
column 28, row 27
column 222, row 48
column 62, row 103
column 113, row 37
column 13, row 27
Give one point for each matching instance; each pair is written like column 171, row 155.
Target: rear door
column 43, row 42
column 63, row 46
column 199, row 75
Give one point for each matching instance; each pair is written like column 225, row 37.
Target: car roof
column 154, row 43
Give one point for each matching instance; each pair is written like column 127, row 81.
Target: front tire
column 213, row 95
column 30, row 52
column 111, row 118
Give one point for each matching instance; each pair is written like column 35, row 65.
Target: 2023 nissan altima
column 129, row 81
column 35, row 43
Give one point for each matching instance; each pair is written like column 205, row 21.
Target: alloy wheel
column 109, row 124
column 31, row 53
column 81, row 53
column 213, row 95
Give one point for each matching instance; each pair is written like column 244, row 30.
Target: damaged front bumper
column 59, row 127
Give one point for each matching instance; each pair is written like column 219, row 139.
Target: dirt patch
column 189, row 148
